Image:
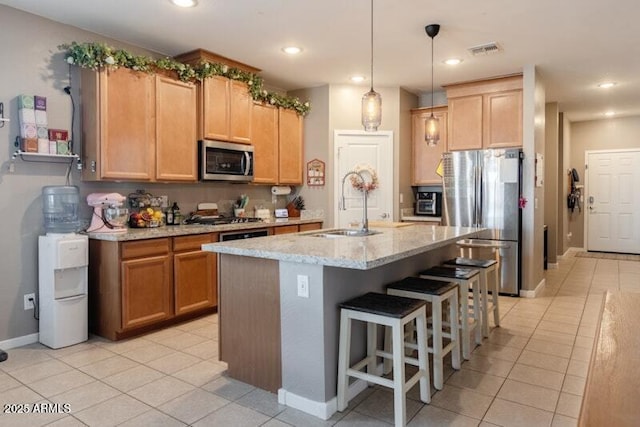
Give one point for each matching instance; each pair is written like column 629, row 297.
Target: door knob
column 384, row 215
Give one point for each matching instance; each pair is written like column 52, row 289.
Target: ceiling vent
column 485, row 49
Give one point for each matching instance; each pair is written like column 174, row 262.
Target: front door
column 367, row 152
column 612, row 199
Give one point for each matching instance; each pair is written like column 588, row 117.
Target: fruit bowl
column 146, row 218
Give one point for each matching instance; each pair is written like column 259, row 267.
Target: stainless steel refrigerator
column 482, row 189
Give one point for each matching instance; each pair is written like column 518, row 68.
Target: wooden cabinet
column 225, row 110
column 310, row 226
column 137, row 127
column 425, row 159
column 285, row 229
column 278, row 145
column 485, row 114
column 194, row 273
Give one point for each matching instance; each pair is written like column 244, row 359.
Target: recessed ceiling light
column 610, row 113
column 292, row 50
column 184, row 3
column 357, row 79
column 453, row 61
column 606, row 85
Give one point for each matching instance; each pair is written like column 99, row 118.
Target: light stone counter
column 362, row 253
column 185, row 230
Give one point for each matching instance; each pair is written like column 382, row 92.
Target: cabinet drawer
column 193, row 242
column 311, row 226
column 143, row 248
column 285, row 229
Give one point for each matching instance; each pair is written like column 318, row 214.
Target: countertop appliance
column 482, row 188
column 225, row 161
column 108, row 214
column 429, row 203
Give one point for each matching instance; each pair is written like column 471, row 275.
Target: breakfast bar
column 279, row 296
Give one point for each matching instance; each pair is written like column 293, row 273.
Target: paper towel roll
column 280, row 190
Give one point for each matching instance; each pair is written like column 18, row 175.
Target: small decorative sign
column 315, row 173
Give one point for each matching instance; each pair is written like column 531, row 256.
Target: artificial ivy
column 100, row 55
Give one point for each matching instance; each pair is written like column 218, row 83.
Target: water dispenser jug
column 60, row 208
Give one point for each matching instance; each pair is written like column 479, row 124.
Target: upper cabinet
column 278, row 143
column 485, row 114
column 137, row 127
column 425, row 159
column 225, row 110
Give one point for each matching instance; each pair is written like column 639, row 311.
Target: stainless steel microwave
column 225, row 161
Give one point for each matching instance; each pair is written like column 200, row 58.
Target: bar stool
column 436, row 293
column 469, row 282
column 396, row 312
column 484, row 266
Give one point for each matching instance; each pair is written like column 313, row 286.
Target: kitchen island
column 279, row 296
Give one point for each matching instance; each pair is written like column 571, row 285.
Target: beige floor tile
column 569, row 405
column 506, row 413
column 228, row 388
column 68, row 421
column 503, row 337
column 584, row 342
column 578, row 368
column 563, row 421
column 528, row 394
column 582, row 354
column 182, row 340
column 210, row 331
column 201, row 373
column 294, row 417
column 120, row 347
column 108, row 367
column 67, row 351
column 22, row 357
column 356, row 419
column 462, row 401
column 574, row 385
column 7, row 382
column 173, row 362
column 112, row 412
column 555, row 337
column 548, row 347
column 488, row 365
column 86, row 357
column 163, row 335
column 434, row 416
column 60, row 383
column 273, row 422
column 560, row 318
column 493, row 351
column 148, row 352
column 537, row 376
column 563, row 328
column 587, row 331
column 265, row 402
column 193, row 405
column 87, row 395
column 476, row 381
column 153, row 418
column 39, row 371
column 233, row 415
column 21, row 394
column 205, row 350
column 544, row 361
column 133, row 378
column 192, row 325
column 161, row 390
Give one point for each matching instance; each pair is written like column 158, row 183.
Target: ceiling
column 574, row 44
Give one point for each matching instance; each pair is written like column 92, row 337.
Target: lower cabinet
column 287, row 229
column 194, row 273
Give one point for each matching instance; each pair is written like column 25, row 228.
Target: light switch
column 303, row 286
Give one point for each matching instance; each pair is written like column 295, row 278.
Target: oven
column 225, row 161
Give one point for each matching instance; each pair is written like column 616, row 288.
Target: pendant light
column 371, row 101
column 432, row 124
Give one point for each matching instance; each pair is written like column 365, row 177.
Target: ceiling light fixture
column 358, row 79
column 292, row 50
column 184, row 3
column 610, row 113
column 371, row 101
column 606, row 85
column 432, row 124
column 453, row 61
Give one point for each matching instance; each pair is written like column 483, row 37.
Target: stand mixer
column 108, row 215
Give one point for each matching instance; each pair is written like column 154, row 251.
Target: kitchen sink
column 345, row 232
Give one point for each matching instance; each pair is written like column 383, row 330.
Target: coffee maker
column 429, row 203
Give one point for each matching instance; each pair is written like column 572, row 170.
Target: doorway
column 363, row 150
column 612, row 200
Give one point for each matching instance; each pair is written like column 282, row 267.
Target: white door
column 613, row 201
column 364, row 151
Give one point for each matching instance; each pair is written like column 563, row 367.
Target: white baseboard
column 323, row 410
column 534, row 293
column 576, row 249
column 19, row 341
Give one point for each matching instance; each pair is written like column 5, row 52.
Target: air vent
column 485, row 49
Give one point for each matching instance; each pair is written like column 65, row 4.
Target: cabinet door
column 195, row 278
column 215, row 108
column 503, row 119
column 290, row 147
column 264, row 124
column 465, row 123
column 240, row 106
column 425, row 159
column 146, row 290
column 127, row 125
column 176, row 143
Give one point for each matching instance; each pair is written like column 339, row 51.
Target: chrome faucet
column 365, row 221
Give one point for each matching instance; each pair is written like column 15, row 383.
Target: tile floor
column 530, row 372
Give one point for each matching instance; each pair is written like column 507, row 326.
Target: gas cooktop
column 219, row 220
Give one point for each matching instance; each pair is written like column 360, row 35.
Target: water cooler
column 63, row 258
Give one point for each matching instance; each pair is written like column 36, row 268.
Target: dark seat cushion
column 422, row 286
column 384, row 305
column 471, row 262
column 450, row 272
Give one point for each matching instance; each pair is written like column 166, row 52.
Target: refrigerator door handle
column 480, row 201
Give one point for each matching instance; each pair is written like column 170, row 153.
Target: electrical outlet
column 303, row 286
column 29, row 305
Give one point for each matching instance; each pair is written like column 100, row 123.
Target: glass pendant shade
column 432, row 130
column 371, row 111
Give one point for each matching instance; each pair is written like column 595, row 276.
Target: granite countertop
column 361, row 253
column 187, row 229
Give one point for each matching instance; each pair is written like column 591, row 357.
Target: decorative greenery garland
column 98, row 55
column 357, row 183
